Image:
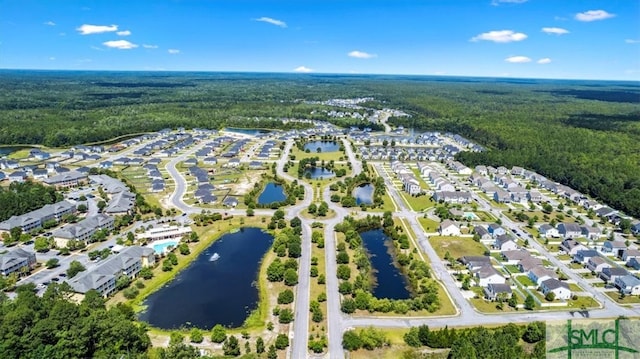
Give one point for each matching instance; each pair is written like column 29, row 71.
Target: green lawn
column 419, row 203
column 456, row 246
column 629, row 299
column 428, row 225
column 525, row 281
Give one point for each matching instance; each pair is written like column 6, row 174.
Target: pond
column 272, row 192
column 324, row 146
column 363, row 193
column 390, row 282
column 212, row 291
column 246, row 131
column 318, row 173
column 5, row 151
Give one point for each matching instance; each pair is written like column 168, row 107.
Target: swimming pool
column 161, row 246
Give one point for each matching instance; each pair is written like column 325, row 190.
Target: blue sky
column 579, row 39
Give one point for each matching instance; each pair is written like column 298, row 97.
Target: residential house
column 571, row 246
column 66, row 180
column 609, row 274
column 591, row 233
column 633, row 263
column 539, row 274
column 230, row 201
column 597, row 264
column 475, row 262
column 83, row 230
column 505, row 243
column 103, row 277
column 496, row 230
column 256, row 165
column 528, row 263
column 629, row 284
column 17, row 260
column 514, row 257
column 410, row 184
column 615, row 247
column 452, row 197
column 210, row 161
column 487, row 274
column 534, row 196
column 548, row 231
column 569, row 230
column 501, row 196
column 495, row 290
column 448, row 228
column 482, row 232
column 583, row 256
column 558, row 288
column 35, row 219
column 17, row 176
column 630, row 253
column 234, row 162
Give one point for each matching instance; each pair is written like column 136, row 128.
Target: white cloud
column 302, row 69
column 272, row 21
column 97, row 48
column 173, row 51
column 632, row 41
column 361, row 54
column 544, row 60
column 52, row 58
column 124, row 33
column 498, row 2
column 120, row 44
column 517, row 59
column 96, row 29
column 500, row 36
column 555, row 30
column 146, row 46
column 50, row 23
column 593, row 15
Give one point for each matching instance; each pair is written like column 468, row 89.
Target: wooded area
column 585, row 134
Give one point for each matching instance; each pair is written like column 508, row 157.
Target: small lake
column 324, row 146
column 246, row 131
column 208, row 292
column 5, row 151
column 363, row 193
column 319, row 172
column 272, row 192
column 391, row 283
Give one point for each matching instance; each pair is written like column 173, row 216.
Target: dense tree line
column 52, row 326
column 22, row 197
column 573, row 132
column 480, row 342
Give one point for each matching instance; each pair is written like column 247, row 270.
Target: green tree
column 282, row 341
column 285, row 316
column 351, row 340
column 146, row 273
column 285, row 297
column 52, row 263
column 529, row 302
column 231, row 346
column 41, row 244
column 290, row 277
column 218, row 334
column 75, row 267
column 259, row 345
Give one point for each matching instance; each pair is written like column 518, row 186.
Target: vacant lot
column 456, row 246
